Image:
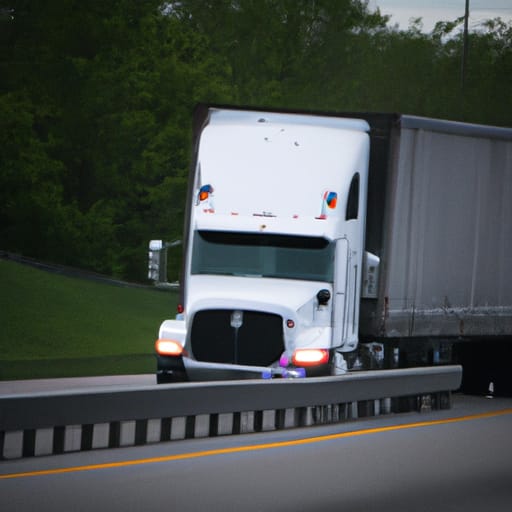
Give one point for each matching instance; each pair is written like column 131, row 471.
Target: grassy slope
column 52, row 325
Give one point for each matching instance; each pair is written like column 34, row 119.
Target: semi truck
column 320, row 243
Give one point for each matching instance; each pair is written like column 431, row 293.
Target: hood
column 281, row 296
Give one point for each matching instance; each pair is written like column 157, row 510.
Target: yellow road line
column 257, row 447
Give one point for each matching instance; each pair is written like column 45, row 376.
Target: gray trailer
column 440, row 220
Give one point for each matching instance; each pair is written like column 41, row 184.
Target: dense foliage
column 96, row 100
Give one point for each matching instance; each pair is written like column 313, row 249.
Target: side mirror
column 157, row 261
column 371, row 267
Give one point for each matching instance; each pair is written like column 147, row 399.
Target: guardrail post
column 58, row 440
column 114, row 434
column 179, row 428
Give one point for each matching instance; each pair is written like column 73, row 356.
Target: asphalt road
column 457, row 460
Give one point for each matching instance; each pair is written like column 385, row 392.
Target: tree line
column 96, row 102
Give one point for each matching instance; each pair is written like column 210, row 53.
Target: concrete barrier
column 59, row 422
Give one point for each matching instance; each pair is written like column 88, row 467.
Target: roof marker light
column 329, row 200
column 204, row 192
column 205, row 198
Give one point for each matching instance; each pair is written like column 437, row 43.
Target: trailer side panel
column 448, row 234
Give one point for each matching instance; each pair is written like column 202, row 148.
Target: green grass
column 57, row 326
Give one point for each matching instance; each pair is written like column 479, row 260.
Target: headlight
column 310, row 356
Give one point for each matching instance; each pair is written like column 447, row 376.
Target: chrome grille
column 258, row 341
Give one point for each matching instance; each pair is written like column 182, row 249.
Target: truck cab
column 273, row 248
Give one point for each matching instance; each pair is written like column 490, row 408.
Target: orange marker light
column 310, row 357
column 168, row 347
column 204, row 192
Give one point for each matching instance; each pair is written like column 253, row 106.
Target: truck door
column 345, row 294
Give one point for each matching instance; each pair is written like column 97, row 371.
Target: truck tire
column 170, row 369
column 166, row 378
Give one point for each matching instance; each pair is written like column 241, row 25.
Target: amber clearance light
column 169, row 347
column 310, row 357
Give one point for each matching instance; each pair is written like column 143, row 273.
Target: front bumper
column 180, row 369
column 200, row 370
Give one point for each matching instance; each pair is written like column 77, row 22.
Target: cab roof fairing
column 278, row 170
column 226, row 116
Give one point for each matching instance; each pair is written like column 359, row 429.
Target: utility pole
column 465, row 48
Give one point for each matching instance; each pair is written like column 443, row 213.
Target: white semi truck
column 317, row 244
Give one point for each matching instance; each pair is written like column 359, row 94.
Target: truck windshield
column 250, row 254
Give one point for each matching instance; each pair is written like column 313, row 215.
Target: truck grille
column 258, row 341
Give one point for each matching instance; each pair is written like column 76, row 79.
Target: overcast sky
column 442, row 10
